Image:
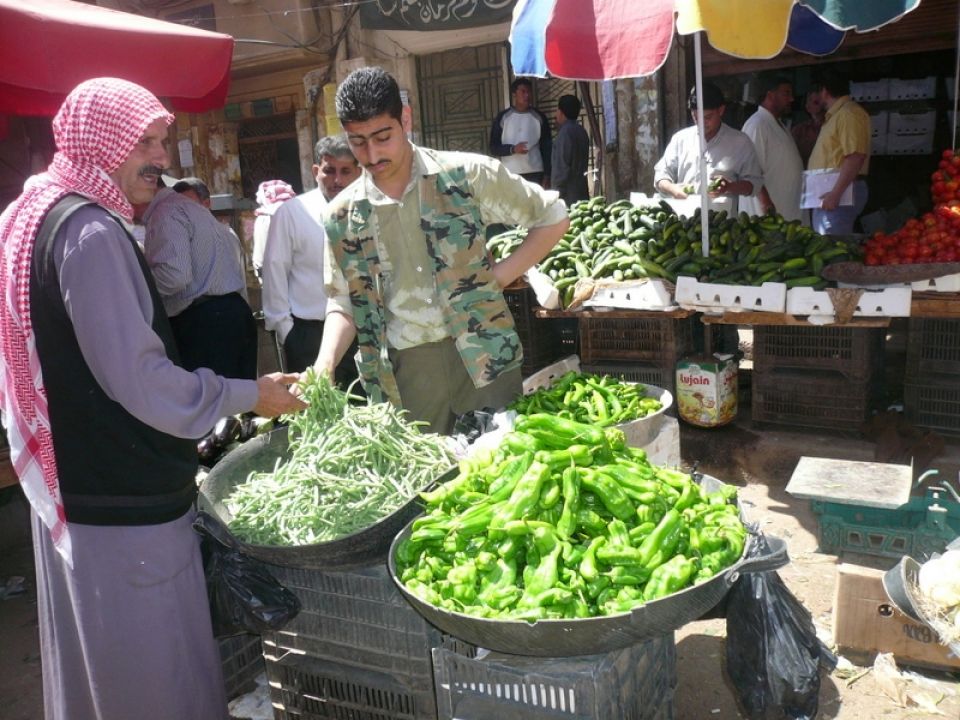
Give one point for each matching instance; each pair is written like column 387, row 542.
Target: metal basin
column 590, row 636
column 362, row 548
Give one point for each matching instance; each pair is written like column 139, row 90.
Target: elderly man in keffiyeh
column 102, row 424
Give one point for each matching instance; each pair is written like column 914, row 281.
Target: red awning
column 47, row 47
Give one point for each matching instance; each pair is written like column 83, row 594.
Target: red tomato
column 947, row 154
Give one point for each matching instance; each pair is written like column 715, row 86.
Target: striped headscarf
column 95, row 130
column 270, row 194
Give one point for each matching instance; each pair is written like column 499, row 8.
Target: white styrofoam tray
column 692, row 294
column 945, row 283
column 890, row 302
column 649, row 294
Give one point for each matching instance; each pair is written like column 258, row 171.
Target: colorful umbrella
column 609, row 39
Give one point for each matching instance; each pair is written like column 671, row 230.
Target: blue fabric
column 841, row 220
column 810, row 34
column 528, row 37
column 860, row 15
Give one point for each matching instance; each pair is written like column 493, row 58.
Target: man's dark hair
column 570, row 106
column 332, row 145
column 835, row 82
column 769, row 82
column 712, row 97
column 520, row 81
column 367, row 93
column 195, row 184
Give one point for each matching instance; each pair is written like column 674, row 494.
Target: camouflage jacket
column 474, row 310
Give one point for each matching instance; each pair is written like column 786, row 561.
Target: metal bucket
column 590, row 636
column 360, row 549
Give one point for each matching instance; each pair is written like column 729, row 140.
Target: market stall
column 554, row 541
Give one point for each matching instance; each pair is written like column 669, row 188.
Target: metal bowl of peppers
column 493, row 581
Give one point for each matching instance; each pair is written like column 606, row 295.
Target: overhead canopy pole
column 704, row 182
column 956, row 95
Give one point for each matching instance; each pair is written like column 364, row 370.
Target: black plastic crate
column 659, row 341
column 635, row 683
column 855, row 352
column 543, row 339
column 242, row 659
column 934, row 403
column 304, row 688
column 812, row 399
column 356, row 618
column 933, row 348
column 663, row 376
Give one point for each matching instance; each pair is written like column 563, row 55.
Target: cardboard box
column 865, row 623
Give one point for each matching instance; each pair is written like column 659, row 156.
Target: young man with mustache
column 408, row 273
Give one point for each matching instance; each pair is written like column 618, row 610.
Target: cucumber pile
column 622, row 242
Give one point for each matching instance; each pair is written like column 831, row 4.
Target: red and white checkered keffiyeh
column 272, row 192
column 96, row 129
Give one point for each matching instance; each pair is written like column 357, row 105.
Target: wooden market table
column 615, row 314
column 935, row 305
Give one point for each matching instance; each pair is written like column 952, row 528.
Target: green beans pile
column 351, row 465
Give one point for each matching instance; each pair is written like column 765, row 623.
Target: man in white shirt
column 776, row 150
column 731, row 160
column 520, row 136
column 294, row 304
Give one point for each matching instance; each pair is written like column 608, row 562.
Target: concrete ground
column 760, row 460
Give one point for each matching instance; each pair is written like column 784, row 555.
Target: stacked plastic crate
column 931, row 387
column 641, row 349
column 816, row 377
column 357, row 649
column 242, row 659
column 544, row 340
column 635, row 683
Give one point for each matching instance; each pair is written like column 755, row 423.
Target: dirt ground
column 760, row 461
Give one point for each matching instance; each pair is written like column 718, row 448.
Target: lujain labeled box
column 866, row 622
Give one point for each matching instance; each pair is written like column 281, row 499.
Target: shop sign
column 434, row 14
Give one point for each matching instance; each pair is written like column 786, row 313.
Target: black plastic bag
column 244, row 596
column 474, row 423
column 773, row 654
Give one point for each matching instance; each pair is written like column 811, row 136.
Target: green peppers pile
column 620, row 241
column 563, row 520
column 599, row 400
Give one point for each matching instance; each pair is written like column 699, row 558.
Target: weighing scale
column 866, row 507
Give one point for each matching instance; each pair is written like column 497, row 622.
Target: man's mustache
column 150, row 170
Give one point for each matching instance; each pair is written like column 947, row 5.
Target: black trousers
column 302, row 344
column 218, row 332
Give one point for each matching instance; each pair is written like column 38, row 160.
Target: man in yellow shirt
column 843, row 145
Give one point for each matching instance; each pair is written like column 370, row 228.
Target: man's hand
column 273, row 396
column 520, row 149
column 674, row 190
column 719, row 185
column 830, row 201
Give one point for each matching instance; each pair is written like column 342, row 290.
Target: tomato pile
column 933, row 237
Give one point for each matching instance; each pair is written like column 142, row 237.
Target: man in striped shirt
column 197, row 263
